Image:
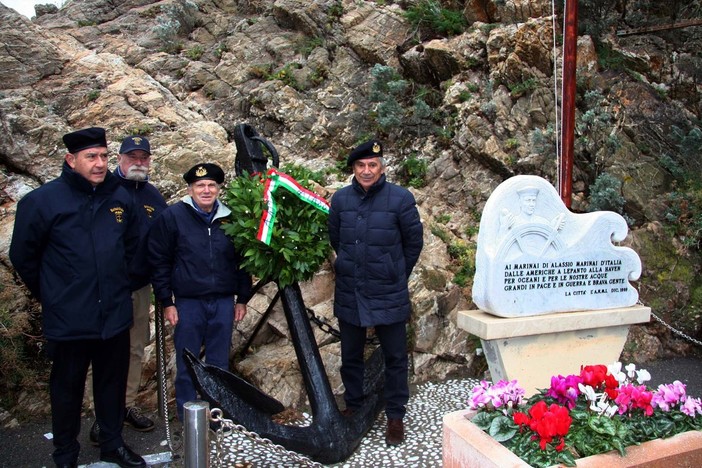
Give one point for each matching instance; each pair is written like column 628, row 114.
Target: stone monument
column 535, row 257
column 552, row 286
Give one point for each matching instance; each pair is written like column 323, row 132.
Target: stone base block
column 532, row 349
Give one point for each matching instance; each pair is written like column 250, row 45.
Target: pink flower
column 632, row 397
column 565, row 389
column 669, row 395
column 691, row 406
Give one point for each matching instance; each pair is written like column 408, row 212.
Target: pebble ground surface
column 422, row 447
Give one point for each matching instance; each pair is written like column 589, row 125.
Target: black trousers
column 110, row 360
column 393, row 341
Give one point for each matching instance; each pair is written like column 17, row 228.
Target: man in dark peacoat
column 375, row 230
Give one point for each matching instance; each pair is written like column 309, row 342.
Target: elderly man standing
column 374, row 228
column 196, row 275
column 73, row 239
column 133, row 164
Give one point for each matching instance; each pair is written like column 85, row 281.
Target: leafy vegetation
column 684, row 213
column 401, row 104
column 462, row 256
column 429, row 14
column 413, row 171
column 299, row 243
column 606, row 194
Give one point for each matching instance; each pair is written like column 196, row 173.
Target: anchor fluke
column 330, row 437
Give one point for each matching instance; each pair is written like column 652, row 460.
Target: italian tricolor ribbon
column 279, row 179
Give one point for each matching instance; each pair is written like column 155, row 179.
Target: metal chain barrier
column 226, row 427
column 326, row 327
column 161, row 366
column 677, row 332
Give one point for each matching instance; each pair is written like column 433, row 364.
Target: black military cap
column 135, row 142
column 204, row 171
column 369, row 149
column 92, row 137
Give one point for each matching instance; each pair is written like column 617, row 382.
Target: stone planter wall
column 465, row 446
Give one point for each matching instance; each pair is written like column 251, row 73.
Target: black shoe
column 95, row 434
column 124, row 457
column 138, row 421
column 67, row 465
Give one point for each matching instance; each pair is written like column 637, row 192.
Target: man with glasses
column 133, row 163
column 196, row 275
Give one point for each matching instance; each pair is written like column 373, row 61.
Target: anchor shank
column 319, row 391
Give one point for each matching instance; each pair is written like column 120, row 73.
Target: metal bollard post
column 195, row 434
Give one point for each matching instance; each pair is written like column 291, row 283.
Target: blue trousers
column 393, row 341
column 201, row 322
column 70, row 361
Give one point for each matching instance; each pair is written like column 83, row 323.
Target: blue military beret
column 369, row 149
column 135, row 142
column 92, row 137
column 204, row 171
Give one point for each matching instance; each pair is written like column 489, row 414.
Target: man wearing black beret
column 375, row 230
column 196, row 275
column 73, row 238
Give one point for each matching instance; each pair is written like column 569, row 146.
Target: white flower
column 588, row 391
column 616, row 371
column 642, row 376
column 611, row 411
column 615, row 368
column 631, row 370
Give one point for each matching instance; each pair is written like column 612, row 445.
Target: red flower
column 593, row 376
column 547, row 422
column 520, row 419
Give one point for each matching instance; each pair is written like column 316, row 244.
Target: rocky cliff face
column 317, row 77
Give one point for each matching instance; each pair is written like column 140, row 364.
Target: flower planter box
column 465, row 446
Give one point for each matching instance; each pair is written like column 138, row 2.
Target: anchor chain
column 227, row 427
column 161, row 344
column 677, row 332
column 326, row 327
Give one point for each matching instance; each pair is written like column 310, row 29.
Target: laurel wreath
column 300, row 242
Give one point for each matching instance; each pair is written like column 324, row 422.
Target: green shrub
column 93, row 94
column 413, row 171
column 606, row 194
column 431, row 15
column 306, row 45
column 519, row 89
column 195, row 52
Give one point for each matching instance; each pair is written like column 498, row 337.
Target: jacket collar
column 373, row 188
column 79, row 182
column 222, row 210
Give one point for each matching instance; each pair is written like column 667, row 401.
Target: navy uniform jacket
column 71, row 246
column 377, row 237
column 194, row 259
column 149, row 204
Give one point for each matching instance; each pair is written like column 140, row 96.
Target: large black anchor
column 330, row 437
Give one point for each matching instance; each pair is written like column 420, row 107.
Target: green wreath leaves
column 300, row 242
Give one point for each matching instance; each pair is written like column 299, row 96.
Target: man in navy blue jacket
column 132, row 171
column 73, row 239
column 196, row 275
column 375, row 230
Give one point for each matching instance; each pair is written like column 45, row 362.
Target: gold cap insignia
column 376, row 148
column 137, row 140
column 200, row 172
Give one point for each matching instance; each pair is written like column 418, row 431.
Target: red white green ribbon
column 279, row 179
